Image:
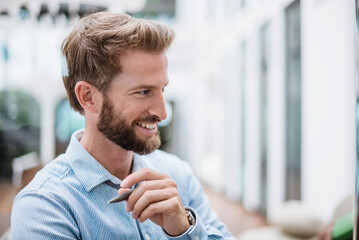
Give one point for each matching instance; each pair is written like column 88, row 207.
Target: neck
column 115, row 159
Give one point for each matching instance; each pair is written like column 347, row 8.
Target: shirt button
column 147, row 236
column 197, row 238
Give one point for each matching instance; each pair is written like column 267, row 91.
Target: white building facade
column 272, row 112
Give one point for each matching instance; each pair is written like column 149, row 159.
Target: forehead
column 139, row 67
column 149, row 60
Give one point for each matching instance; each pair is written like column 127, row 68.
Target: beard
column 115, row 128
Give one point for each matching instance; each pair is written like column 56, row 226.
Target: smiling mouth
column 149, row 126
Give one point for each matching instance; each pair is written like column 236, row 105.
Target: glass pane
column 161, row 10
column 167, row 128
column 243, row 54
column 243, row 3
column 264, row 62
column 293, row 101
column 19, row 128
column 67, row 122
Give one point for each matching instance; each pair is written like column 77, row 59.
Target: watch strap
column 190, row 217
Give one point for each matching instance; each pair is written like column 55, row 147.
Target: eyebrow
column 145, row 86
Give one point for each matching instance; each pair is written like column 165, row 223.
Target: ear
column 88, row 96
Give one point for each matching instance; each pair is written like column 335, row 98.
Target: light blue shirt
column 68, row 198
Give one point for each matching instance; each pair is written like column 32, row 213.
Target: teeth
column 148, row 125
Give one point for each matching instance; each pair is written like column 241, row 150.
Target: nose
column 158, row 107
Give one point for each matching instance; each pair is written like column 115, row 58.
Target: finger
column 142, row 175
column 147, row 186
column 123, row 190
column 157, row 208
column 151, row 197
column 151, row 210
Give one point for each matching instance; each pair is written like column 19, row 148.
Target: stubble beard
column 115, row 128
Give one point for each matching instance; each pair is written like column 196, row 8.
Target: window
column 243, row 4
column 243, row 54
column 264, row 62
column 293, row 101
column 160, row 10
column 67, row 121
column 167, row 130
column 19, row 128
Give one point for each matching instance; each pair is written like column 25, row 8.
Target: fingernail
column 127, row 208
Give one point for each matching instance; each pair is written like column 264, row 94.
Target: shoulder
column 50, row 182
column 54, row 171
column 47, row 194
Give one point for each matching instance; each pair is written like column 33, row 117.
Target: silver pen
column 121, row 197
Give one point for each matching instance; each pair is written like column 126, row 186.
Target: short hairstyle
column 99, row 41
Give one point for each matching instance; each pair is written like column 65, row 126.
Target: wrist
column 189, row 230
column 185, row 223
column 180, row 229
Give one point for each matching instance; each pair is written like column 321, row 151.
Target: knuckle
column 171, row 182
column 148, row 195
column 147, row 170
column 152, row 209
column 174, row 201
column 166, row 175
column 171, row 192
column 145, row 185
column 174, row 204
column 175, row 192
column 152, row 195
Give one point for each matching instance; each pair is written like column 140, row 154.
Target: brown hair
column 99, row 41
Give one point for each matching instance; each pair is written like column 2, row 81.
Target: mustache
column 150, row 119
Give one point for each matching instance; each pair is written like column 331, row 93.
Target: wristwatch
column 190, row 217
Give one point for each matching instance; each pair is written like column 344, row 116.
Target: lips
column 149, row 126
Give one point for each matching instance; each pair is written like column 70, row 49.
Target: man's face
column 134, row 103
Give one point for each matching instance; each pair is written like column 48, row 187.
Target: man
column 117, row 72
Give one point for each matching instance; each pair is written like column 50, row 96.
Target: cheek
column 135, row 112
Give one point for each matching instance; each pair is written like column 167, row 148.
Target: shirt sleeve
column 39, row 216
column 207, row 224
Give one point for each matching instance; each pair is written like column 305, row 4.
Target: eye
column 144, row 92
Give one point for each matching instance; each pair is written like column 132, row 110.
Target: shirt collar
column 89, row 171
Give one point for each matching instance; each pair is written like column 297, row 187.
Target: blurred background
column 261, row 99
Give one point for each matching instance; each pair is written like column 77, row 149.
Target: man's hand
column 157, row 199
